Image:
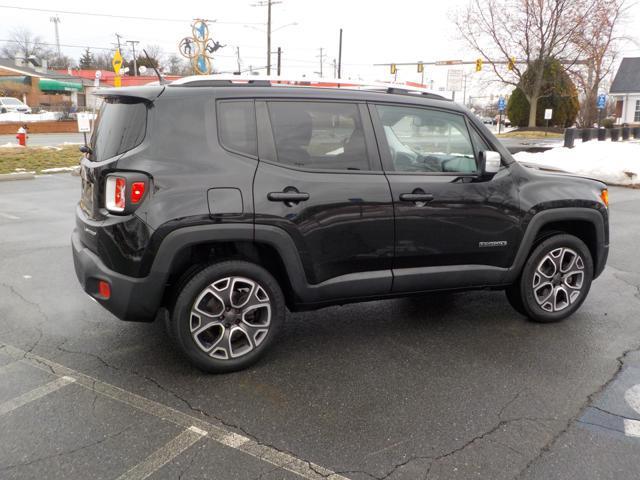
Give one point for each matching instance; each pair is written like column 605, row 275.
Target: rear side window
column 237, row 126
column 121, row 126
column 319, row 135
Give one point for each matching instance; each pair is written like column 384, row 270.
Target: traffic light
column 394, row 69
column 420, row 67
column 512, row 63
column 479, row 65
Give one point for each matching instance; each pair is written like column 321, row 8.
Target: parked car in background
column 505, row 121
column 11, row 105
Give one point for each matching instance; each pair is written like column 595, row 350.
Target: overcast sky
column 374, row 32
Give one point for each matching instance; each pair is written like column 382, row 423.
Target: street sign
column 117, row 61
column 548, row 113
column 602, row 101
column 84, row 122
column 501, row 104
column 454, row 80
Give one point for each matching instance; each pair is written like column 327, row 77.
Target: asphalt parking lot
column 445, row 386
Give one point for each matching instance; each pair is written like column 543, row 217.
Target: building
column 625, row 89
column 39, row 87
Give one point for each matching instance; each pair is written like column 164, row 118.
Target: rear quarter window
column 121, row 125
column 237, row 126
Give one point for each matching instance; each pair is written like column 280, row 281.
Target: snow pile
column 60, row 169
column 11, row 145
column 615, row 163
column 30, row 117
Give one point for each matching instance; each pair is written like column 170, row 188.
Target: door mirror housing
column 490, row 162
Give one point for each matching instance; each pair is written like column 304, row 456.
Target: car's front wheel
column 555, row 279
column 226, row 316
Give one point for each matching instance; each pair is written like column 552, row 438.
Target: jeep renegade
column 217, row 205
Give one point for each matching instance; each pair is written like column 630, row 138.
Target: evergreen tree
column 86, row 61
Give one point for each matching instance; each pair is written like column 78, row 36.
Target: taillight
column 124, row 191
column 137, row 191
column 115, row 194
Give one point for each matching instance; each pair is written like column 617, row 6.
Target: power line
column 130, row 17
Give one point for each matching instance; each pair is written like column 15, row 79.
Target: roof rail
column 222, row 80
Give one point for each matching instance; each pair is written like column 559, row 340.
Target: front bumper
column 132, row 299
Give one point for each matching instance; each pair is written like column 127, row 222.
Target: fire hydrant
column 22, row 136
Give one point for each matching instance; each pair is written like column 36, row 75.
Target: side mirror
column 490, row 162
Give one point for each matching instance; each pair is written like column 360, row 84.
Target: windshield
column 121, row 125
column 11, row 101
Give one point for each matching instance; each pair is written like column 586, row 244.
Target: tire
column 227, row 316
column 554, row 281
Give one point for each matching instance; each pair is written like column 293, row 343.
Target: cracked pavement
column 445, row 386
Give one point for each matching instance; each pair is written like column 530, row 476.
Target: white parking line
column 35, row 394
column 222, row 435
column 164, row 454
column 631, row 428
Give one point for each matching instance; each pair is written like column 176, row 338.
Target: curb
column 6, row 177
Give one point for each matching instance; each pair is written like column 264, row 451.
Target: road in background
column 45, row 139
column 442, row 386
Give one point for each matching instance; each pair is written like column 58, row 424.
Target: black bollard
column 636, row 133
column 615, row 133
column 586, row 134
column 569, row 137
column 625, row 133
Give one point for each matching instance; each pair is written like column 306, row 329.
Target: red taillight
column 115, row 192
column 104, row 289
column 137, row 191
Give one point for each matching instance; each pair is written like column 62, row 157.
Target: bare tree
column 532, row 31
column 598, row 41
column 22, row 43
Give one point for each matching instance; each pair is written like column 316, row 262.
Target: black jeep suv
column 217, row 205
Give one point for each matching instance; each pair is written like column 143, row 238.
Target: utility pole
column 279, row 59
column 268, row 3
column 335, row 67
column 321, row 60
column 118, row 37
column 56, row 22
column 238, row 60
column 340, row 55
column 135, row 59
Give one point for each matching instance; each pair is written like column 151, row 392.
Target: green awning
column 49, row 85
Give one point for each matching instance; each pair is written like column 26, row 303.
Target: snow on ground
column 29, row 117
column 615, row 163
column 60, row 169
column 11, row 145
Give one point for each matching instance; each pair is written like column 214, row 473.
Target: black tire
column 183, row 318
column 568, row 260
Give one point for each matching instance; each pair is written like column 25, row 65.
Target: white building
column 626, row 91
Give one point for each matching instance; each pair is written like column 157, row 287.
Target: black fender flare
column 540, row 219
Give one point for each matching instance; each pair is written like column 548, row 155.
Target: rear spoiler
column 146, row 93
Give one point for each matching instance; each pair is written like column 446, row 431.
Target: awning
column 49, row 85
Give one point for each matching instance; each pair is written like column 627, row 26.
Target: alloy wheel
column 558, row 279
column 230, row 317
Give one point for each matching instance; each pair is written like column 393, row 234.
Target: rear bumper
column 131, row 299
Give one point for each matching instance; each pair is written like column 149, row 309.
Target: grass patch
column 36, row 159
column 530, row 134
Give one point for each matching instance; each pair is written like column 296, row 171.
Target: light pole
column 268, row 3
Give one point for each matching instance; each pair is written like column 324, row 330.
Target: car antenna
column 161, row 79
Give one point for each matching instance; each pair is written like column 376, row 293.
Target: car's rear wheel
column 227, row 315
column 555, row 280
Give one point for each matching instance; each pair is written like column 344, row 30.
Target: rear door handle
column 288, row 197
column 416, row 197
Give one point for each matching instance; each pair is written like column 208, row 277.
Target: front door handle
column 290, row 196
column 417, row 196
